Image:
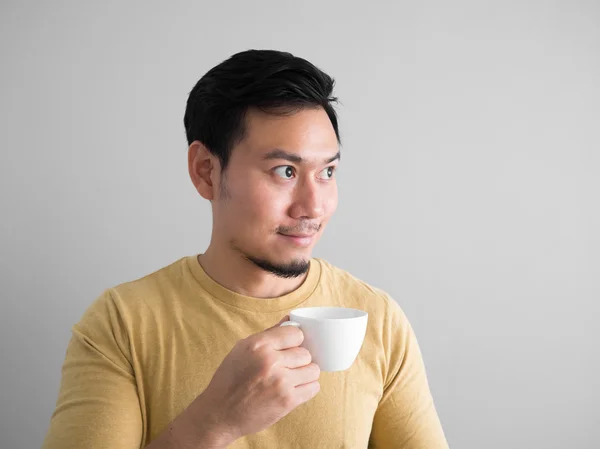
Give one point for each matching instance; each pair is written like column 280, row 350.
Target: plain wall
column 469, row 186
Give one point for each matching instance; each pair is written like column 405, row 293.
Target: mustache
column 300, row 228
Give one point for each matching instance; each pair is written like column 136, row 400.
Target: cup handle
column 290, row 323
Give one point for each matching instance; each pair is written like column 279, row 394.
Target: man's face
column 279, row 189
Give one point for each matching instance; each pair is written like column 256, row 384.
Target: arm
column 98, row 404
column 406, row 416
column 192, row 429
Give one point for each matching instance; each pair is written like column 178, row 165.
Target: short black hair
column 273, row 81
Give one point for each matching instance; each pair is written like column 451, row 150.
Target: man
column 192, row 356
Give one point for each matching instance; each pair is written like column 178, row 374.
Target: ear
column 202, row 165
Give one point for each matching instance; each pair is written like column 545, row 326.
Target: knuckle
column 254, row 344
column 280, row 384
column 288, row 401
column 283, row 390
column 266, row 370
column 268, row 359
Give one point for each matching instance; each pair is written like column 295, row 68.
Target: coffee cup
column 332, row 335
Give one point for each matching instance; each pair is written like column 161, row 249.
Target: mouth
column 301, row 240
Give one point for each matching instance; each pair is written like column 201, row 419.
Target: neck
column 233, row 271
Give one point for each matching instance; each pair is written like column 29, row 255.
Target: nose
column 308, row 201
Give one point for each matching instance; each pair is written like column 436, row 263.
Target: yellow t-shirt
column 144, row 350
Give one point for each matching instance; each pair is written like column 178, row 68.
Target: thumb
column 284, row 319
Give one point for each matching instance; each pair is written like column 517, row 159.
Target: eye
column 285, row 171
column 327, row 173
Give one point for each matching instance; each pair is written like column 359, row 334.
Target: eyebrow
column 278, row 153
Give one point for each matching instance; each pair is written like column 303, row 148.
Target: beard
column 287, row 270
column 293, row 269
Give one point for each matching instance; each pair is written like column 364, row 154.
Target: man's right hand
column 262, row 379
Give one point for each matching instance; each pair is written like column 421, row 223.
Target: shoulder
column 166, row 279
column 129, row 301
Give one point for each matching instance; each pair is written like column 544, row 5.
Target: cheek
column 331, row 201
column 261, row 206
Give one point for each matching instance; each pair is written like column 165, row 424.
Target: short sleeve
column 98, row 405
column 406, row 416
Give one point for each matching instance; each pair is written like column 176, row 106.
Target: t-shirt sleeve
column 406, row 416
column 98, row 405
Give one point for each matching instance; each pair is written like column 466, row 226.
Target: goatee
column 289, row 270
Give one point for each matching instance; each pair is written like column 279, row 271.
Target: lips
column 301, row 240
column 298, row 235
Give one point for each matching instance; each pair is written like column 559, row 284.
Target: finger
column 283, row 337
column 284, row 319
column 305, row 374
column 307, row 391
column 295, row 357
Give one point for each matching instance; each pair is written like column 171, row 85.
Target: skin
column 280, row 179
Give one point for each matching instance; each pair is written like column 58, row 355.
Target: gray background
column 468, row 186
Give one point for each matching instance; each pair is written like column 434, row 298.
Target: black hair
column 273, row 81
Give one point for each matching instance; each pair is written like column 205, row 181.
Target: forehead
column 308, row 133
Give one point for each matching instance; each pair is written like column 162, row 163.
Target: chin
column 289, row 268
column 289, row 257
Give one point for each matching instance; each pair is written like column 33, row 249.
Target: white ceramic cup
column 332, row 335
